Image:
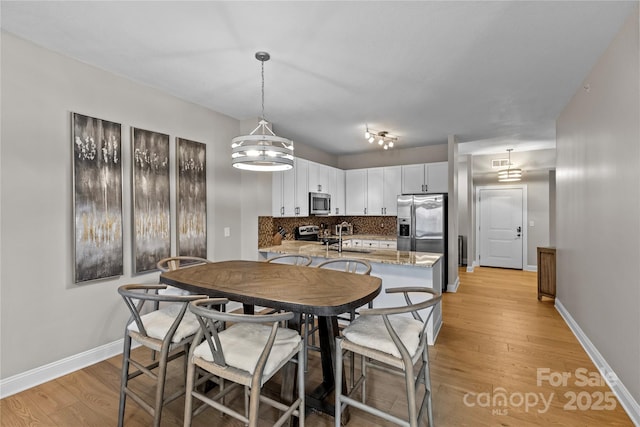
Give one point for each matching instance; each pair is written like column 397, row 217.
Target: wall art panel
column 192, row 198
column 97, row 198
column 151, row 199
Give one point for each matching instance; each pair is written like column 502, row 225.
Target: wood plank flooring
column 497, row 341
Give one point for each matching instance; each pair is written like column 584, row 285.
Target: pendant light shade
column 509, row 174
column 262, row 150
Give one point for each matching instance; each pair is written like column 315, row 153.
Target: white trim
column 454, row 287
column 50, row 371
column 622, row 393
column 533, row 268
column 525, row 221
column 470, row 268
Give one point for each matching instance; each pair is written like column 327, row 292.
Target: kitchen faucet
column 343, row 224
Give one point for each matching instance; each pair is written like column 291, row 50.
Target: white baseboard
column 617, row 387
column 469, row 268
column 533, row 268
column 42, row 374
column 454, row 287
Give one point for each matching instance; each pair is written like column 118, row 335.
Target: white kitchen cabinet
column 356, row 192
column 337, row 191
column 375, row 188
column 425, row 178
column 356, row 243
column 388, row 244
column 383, row 187
column 319, row 178
column 392, row 186
column 370, row 244
column 290, row 191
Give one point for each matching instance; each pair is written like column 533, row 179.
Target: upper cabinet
column 290, row 190
column 319, row 176
column 373, row 191
column 383, row 187
column 337, row 191
column 356, row 192
column 425, row 178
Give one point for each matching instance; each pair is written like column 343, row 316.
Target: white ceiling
column 494, row 73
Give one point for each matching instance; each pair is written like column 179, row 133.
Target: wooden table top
column 322, row 292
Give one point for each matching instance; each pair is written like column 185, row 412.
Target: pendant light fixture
column 382, row 137
column 262, row 150
column 508, row 174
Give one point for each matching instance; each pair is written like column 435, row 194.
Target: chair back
column 210, row 317
column 358, row 266
column 302, row 260
column 413, row 308
column 176, row 262
column 136, row 296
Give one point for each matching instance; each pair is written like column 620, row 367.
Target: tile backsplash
column 378, row 225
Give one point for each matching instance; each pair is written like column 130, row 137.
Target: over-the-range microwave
column 319, row 204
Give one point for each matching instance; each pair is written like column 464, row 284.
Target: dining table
column 301, row 290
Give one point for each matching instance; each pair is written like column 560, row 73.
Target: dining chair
column 247, row 353
column 302, row 260
column 167, row 331
column 348, row 265
column 391, row 341
column 176, row 262
column 308, row 328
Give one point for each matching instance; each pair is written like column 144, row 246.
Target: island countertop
column 383, row 256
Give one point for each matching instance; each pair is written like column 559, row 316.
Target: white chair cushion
column 158, row 322
column 370, row 331
column 242, row 344
column 172, row 290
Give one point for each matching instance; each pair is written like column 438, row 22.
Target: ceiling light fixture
column 508, row 174
column 385, row 140
column 262, row 150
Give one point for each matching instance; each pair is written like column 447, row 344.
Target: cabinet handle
column 282, row 210
column 426, row 188
column 381, row 211
column 365, row 211
column 337, row 211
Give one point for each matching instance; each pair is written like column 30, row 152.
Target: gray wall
column 44, row 316
column 598, row 206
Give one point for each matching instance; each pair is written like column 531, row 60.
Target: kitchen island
column 395, row 268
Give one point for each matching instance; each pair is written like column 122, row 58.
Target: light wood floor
column 496, row 339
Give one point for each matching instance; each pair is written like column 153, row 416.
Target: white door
column 501, row 230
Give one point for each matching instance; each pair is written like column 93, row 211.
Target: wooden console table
column 546, row 272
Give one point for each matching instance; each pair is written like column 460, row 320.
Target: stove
column 306, row 232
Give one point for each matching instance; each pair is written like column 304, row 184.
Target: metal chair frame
column 135, row 297
column 307, row 326
column 252, row 382
column 403, row 366
column 176, row 262
column 348, row 265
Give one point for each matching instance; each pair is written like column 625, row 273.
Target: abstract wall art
column 97, row 198
column 191, row 198
column 151, row 199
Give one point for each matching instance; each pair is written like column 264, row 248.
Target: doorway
column 501, row 219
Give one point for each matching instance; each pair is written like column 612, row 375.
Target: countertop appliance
column 306, row 232
column 422, row 226
column 319, row 204
column 347, row 230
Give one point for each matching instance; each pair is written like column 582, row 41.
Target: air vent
column 499, row 163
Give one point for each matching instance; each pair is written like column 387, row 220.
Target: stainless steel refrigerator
column 422, row 226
